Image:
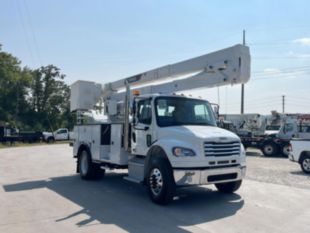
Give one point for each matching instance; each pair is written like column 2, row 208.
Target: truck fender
column 302, row 155
column 155, row 152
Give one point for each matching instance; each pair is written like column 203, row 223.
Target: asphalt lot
column 40, row 192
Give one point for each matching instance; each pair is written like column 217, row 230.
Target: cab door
column 61, row 134
column 141, row 127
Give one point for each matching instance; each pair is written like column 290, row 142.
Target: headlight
column 182, row 152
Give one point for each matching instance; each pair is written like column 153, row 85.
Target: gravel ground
column 275, row 170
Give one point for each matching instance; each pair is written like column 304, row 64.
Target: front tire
column 89, row 170
column 269, row 149
column 160, row 182
column 305, row 164
column 228, row 187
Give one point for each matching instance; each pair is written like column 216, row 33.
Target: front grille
column 222, row 148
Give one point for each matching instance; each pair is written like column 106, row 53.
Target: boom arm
column 223, row 67
column 227, row 66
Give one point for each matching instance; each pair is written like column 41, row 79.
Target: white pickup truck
column 300, row 153
column 58, row 135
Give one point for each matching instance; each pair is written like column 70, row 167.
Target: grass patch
column 21, row 144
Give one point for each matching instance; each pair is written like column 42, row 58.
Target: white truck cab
column 165, row 140
column 185, row 130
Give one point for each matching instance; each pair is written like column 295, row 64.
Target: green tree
column 33, row 99
column 49, row 98
column 14, row 86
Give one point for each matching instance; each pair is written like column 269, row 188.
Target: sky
column 103, row 41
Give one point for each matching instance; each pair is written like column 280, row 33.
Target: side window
column 289, row 127
column 62, row 131
column 201, row 112
column 144, row 113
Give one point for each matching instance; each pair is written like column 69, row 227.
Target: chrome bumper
column 184, row 177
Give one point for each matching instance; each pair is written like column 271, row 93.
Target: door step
column 135, row 170
column 132, row 179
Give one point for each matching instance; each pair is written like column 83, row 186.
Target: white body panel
column 84, row 95
column 90, row 135
column 298, row 147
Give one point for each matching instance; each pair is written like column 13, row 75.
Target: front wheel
column 269, row 149
column 305, row 164
column 229, row 187
column 160, row 182
column 89, row 170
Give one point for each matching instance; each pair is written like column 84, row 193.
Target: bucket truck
column 165, row 139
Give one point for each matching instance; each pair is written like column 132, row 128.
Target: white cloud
column 272, row 71
column 303, row 41
column 299, row 55
column 289, row 73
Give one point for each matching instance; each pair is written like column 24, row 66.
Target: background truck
column 10, row 135
column 58, row 135
column 300, row 153
column 164, row 138
column 269, row 133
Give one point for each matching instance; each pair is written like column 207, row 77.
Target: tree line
column 33, row 99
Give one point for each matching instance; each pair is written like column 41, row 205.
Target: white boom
column 223, row 67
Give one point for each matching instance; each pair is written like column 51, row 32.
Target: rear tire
column 305, row 164
column 285, row 150
column 89, row 170
column 269, row 149
column 160, row 182
column 229, row 187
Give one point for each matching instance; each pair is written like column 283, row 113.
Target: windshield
column 272, row 127
column 172, row 111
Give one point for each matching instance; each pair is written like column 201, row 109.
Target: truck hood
column 198, row 131
column 47, row 133
column 269, row 132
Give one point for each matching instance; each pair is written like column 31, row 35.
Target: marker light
column 136, row 92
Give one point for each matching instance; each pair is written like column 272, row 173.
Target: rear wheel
column 89, row 170
column 305, row 164
column 229, row 187
column 269, row 149
column 286, row 150
column 160, row 182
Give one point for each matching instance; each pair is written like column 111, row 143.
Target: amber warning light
column 136, row 92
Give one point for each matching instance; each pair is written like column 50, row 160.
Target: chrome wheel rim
column 84, row 163
column 306, row 164
column 156, row 181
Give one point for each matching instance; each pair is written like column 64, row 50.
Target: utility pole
column 242, row 85
column 283, row 103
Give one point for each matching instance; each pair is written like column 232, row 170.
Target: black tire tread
column 94, row 172
column 169, row 186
